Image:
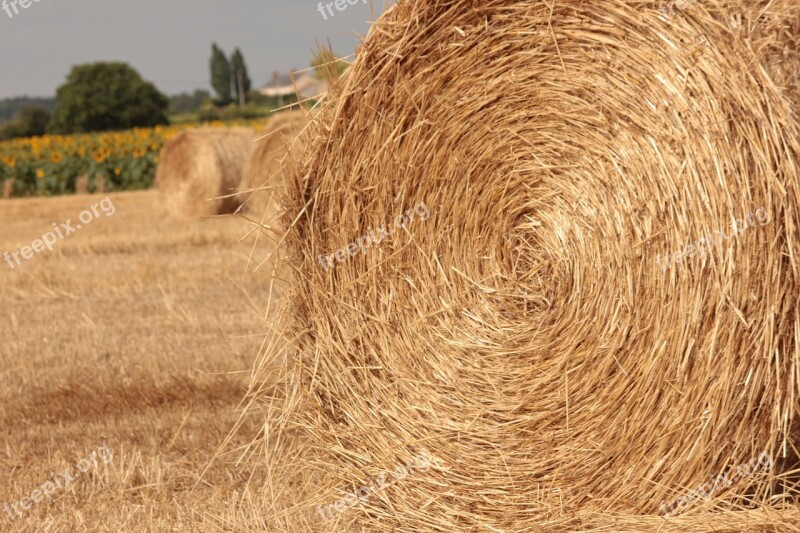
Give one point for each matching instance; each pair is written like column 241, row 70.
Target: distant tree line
column 187, row 103
column 95, row 97
column 10, row 108
column 113, row 96
column 30, row 122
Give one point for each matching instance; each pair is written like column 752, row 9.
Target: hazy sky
column 168, row 41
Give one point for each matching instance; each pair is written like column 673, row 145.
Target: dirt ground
column 137, row 333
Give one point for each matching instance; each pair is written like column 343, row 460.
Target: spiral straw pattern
column 532, row 333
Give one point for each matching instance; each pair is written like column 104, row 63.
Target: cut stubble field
column 138, row 333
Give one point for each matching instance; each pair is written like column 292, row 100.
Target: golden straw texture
column 531, row 333
column 263, row 174
column 199, row 171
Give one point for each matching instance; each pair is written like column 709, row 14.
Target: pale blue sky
column 168, row 41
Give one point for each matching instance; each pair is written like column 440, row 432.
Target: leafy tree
column 241, row 81
column 106, row 96
column 220, row 75
column 9, row 131
column 32, row 121
column 326, row 66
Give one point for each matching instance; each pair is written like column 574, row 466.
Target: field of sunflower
column 51, row 164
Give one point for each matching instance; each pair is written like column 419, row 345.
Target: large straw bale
column 525, row 333
column 199, row 171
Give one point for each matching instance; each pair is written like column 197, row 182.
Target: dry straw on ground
column 263, row 174
column 199, row 171
column 524, row 334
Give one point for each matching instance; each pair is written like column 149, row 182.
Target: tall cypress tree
column 241, row 80
column 220, row 75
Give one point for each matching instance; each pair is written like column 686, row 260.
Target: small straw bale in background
column 199, row 171
column 525, row 334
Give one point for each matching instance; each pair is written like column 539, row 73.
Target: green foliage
column 184, row 118
column 220, row 75
column 31, row 121
column 271, row 102
column 326, row 66
column 241, row 80
column 106, row 96
column 10, row 108
column 210, row 113
column 187, row 103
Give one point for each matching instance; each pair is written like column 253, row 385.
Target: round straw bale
column 263, row 172
column 199, row 171
column 779, row 45
column 599, row 316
